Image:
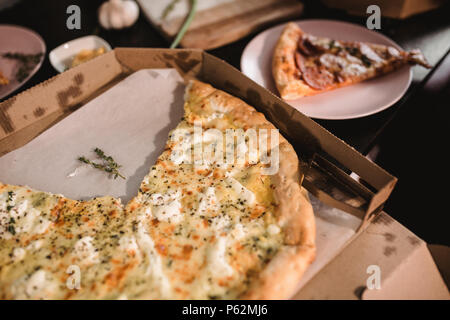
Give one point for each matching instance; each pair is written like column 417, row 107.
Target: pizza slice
column 225, row 230
column 52, row 247
column 208, row 229
column 305, row 65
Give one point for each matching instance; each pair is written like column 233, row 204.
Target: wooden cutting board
column 218, row 22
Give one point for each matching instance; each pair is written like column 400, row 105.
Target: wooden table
column 430, row 32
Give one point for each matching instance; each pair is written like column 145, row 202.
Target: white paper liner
column 130, row 122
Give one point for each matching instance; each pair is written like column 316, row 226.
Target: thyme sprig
column 109, row 165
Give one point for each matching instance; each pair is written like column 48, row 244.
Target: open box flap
column 406, row 268
column 417, row 277
column 441, row 256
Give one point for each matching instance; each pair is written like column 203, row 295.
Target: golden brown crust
column 284, row 70
column 281, row 277
column 294, row 212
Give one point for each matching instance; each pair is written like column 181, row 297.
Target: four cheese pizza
column 196, row 230
column 305, row 65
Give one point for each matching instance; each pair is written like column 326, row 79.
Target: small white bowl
column 61, row 57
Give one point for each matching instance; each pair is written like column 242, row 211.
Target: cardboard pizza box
column 407, row 269
column 404, row 266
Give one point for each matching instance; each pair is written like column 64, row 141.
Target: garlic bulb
column 118, row 14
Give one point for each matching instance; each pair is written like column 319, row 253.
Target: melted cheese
column 154, row 262
column 19, row 254
column 208, row 203
column 370, row 54
column 39, row 285
column 273, row 229
column 346, row 66
column 21, row 217
column 167, row 207
column 85, row 251
column 217, row 107
column 217, row 260
column 169, row 212
column 241, row 192
column 216, row 269
column 129, row 244
column 183, row 142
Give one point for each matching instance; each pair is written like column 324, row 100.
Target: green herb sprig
column 186, row 24
column 109, row 165
column 169, row 8
column 28, row 62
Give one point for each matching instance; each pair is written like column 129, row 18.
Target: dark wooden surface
column 430, row 32
column 413, row 147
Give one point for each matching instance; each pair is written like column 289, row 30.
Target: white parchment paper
column 131, row 122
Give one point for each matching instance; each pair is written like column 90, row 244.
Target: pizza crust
column 286, row 75
column 294, row 212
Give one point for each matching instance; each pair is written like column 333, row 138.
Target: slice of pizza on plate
column 305, row 65
column 208, row 229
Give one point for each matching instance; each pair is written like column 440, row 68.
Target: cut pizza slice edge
column 305, row 65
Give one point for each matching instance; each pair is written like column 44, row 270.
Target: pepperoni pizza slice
column 305, row 65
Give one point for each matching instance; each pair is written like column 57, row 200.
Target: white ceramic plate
column 17, row 39
column 355, row 101
column 61, row 57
